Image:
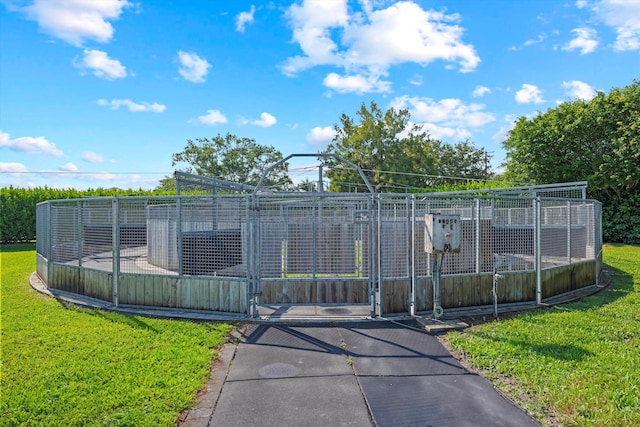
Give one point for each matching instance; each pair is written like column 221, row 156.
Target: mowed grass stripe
column 582, row 359
column 68, row 366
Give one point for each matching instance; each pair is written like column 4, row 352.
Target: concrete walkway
column 374, row 373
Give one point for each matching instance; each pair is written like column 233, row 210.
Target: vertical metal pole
column 314, row 238
column 569, row 231
column 50, row 241
column 538, row 250
column 371, row 257
column 320, row 184
column 115, row 248
column 179, row 236
column 412, row 256
column 478, row 214
column 437, row 275
column 79, row 231
column 379, row 258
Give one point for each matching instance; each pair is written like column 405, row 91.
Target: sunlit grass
column 580, row 359
column 69, row 366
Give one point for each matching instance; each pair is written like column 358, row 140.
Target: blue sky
column 103, row 92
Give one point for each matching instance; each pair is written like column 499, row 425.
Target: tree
column 597, row 141
column 389, row 150
column 231, row 158
column 398, row 156
column 465, row 160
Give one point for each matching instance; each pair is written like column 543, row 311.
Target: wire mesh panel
column 514, row 234
column 65, row 244
column 43, row 228
column 212, row 236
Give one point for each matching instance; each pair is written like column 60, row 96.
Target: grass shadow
column 18, row 247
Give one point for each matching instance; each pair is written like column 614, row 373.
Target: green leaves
column 397, row 156
column 596, row 141
column 234, row 159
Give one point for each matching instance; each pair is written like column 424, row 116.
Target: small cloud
column 356, row 83
column 212, row 117
column 91, row 157
column 580, row 90
column 266, row 120
column 244, row 18
column 68, row 167
column 101, row 65
column 12, row 167
column 586, row 41
column 76, row 21
column 320, row 136
column 581, row 4
column 192, row 67
column 115, row 104
column 29, row 144
column 416, row 80
column 529, row 94
column 480, row 91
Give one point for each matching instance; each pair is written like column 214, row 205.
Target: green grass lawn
column 63, row 366
column 582, row 359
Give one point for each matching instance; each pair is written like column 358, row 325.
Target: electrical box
column 442, row 233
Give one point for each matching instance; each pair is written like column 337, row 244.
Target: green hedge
column 18, row 207
column 621, row 219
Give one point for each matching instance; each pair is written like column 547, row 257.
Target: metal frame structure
column 243, row 248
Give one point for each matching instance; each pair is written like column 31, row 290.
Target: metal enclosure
column 237, row 253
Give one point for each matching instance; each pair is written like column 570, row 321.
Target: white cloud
column 68, row 167
column 91, row 157
column 539, row 39
column 416, row 80
column 480, row 91
column 623, row 17
column 356, row 83
column 529, row 94
column 212, row 117
column 29, row 144
column 580, row 90
column 101, row 65
column 193, row 68
column 266, row 120
column 444, row 132
column 449, row 112
column 77, row 20
column 12, row 167
column 448, row 118
column 244, row 18
column 115, row 104
column 366, row 44
column 586, row 41
column 321, row 136
column 581, row 4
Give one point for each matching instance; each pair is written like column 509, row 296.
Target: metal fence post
column 115, row 248
column 569, row 231
column 478, row 234
column 538, row 249
column 412, row 255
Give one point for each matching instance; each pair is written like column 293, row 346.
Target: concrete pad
column 309, row 402
column 441, row 400
column 280, row 351
column 391, row 348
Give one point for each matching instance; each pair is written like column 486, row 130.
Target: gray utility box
column 442, row 233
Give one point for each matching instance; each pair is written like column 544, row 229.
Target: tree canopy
column 396, row 155
column 597, row 141
column 231, row 158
